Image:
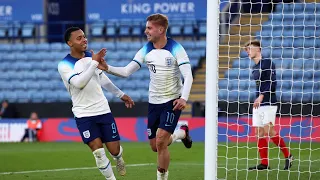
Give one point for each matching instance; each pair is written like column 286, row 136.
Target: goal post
column 211, row 113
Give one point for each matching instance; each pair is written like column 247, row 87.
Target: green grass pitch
column 74, row 161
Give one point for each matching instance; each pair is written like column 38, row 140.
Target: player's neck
column 257, row 59
column 76, row 54
column 161, row 43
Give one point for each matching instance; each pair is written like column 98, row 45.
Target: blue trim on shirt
column 72, row 77
column 137, row 62
column 184, row 63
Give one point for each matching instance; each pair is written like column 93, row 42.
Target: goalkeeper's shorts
column 264, row 115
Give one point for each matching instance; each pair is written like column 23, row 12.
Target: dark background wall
column 63, row 10
column 51, row 110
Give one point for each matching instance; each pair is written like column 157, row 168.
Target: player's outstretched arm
column 123, row 71
column 107, row 84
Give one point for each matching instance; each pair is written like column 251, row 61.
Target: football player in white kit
column 264, row 107
column 83, row 79
column 166, row 60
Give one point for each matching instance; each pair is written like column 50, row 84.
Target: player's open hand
column 257, row 102
column 179, row 104
column 103, row 65
column 99, row 55
column 127, row 101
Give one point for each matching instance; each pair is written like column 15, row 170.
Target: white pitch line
column 69, row 169
column 128, row 165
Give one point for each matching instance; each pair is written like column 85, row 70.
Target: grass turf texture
column 186, row 164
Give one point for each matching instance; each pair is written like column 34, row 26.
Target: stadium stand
column 290, row 38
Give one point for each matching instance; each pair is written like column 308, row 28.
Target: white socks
column 162, row 176
column 119, row 155
column 103, row 163
column 178, row 134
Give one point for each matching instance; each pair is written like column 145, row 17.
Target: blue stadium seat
column 45, row 85
column 200, row 45
column 137, row 27
column 135, row 46
column 175, row 28
column 232, row 74
column 144, row 95
column 9, row 57
column 111, row 28
column 30, row 47
column 58, row 85
column 298, row 75
column 11, row 96
column 43, row 47
column 28, row 75
column 122, row 45
column 125, row 27
column 14, row 29
column 286, row 96
column 110, row 46
column 56, row 47
column 22, row 57
column 33, row 85
column 135, row 95
column 223, row 84
column 287, row 74
column 27, row 30
column 309, row 85
column 98, row 28
column 63, row 96
column 297, row 64
column 233, row 96
column 202, row 26
column 5, row 86
column 5, row 48
column 50, row 96
column 189, row 26
column 188, row 44
column 297, row 86
column 22, row 96
column 223, row 95
column 17, row 47
column 3, row 30
column 37, row 97
column 244, row 74
column 310, row 64
column 244, row 96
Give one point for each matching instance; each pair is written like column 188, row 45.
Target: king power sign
column 140, row 9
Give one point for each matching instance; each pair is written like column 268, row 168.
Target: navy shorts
column 162, row 116
column 101, row 126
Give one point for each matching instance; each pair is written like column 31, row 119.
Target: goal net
column 290, row 36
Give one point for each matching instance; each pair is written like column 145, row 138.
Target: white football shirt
column 89, row 100
column 165, row 76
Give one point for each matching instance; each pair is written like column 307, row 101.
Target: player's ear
column 69, row 43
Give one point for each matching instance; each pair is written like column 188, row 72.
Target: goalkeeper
column 264, row 107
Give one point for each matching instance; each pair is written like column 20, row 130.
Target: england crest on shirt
column 86, row 134
column 169, row 61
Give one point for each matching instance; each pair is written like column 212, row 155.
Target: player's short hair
column 254, row 43
column 159, row 19
column 68, row 32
